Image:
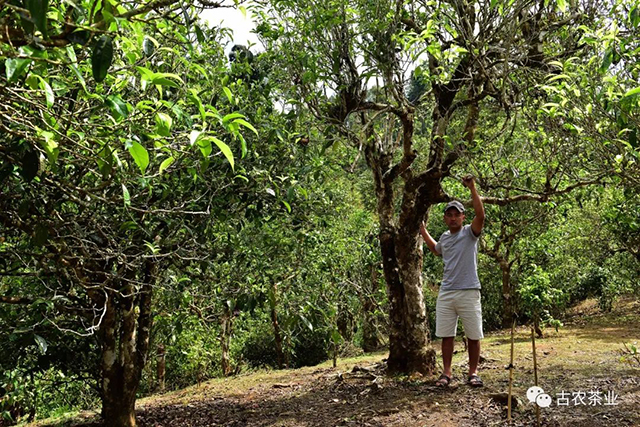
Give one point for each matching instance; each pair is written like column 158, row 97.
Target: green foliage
column 630, row 354
column 538, row 296
column 258, row 349
column 27, row 395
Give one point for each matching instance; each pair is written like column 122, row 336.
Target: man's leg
column 471, row 316
column 474, row 356
column 447, row 354
column 446, row 324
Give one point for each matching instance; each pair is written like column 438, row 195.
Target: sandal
column 475, row 381
column 443, row 381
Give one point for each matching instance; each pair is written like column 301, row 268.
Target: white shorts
column 463, row 303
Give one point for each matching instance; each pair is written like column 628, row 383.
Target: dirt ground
column 582, row 357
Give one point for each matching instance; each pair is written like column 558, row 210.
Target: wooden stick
column 535, row 370
column 513, row 326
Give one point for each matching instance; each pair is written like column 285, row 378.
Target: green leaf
column 148, row 46
column 224, row 148
column 232, row 116
column 246, row 124
column 163, row 81
column 42, row 343
column 558, row 77
column 193, row 136
column 193, row 95
column 48, row 92
column 606, row 60
column 49, row 144
column 163, row 124
column 117, row 106
column 632, row 93
column 126, row 196
column 634, row 16
column 15, row 68
column 105, row 161
column 562, row 5
column 74, row 67
column 101, row 58
column 205, row 147
column 33, row 81
column 243, row 145
column 145, row 73
column 38, row 10
column 200, row 35
column 166, row 163
column 287, row 205
column 140, row 155
column 227, row 92
column 306, row 322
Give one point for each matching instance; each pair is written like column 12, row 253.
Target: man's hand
column 478, row 222
column 469, row 181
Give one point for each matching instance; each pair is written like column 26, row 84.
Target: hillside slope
column 582, row 357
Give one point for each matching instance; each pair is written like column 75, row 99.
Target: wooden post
column 511, row 367
column 535, row 370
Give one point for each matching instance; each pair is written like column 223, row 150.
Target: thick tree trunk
column 119, row 384
column 402, row 265
column 124, row 335
column 119, row 410
column 414, row 353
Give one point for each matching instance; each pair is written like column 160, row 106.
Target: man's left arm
column 478, row 222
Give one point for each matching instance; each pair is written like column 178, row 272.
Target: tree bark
column 161, row 367
column 401, row 251
column 124, row 335
column 226, row 327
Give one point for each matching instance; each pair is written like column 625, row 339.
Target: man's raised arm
column 478, row 222
column 431, row 243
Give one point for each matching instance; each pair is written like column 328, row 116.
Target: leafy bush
column 310, row 347
column 258, row 347
column 24, row 396
column 539, row 298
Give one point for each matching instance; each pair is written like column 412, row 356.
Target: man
column 459, row 294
